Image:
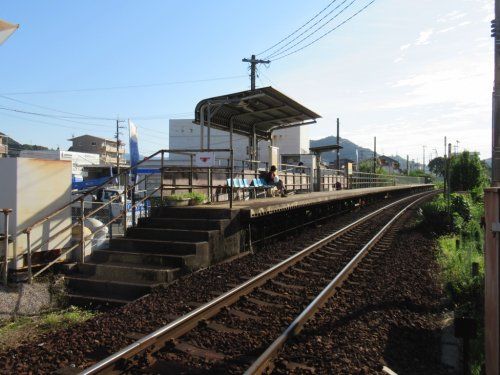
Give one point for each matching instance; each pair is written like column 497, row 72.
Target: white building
column 79, row 160
column 183, row 134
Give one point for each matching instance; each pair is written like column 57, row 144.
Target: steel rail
column 264, row 360
column 156, row 340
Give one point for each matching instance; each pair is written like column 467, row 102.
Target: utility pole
column 338, row 143
column 456, row 147
column 491, row 207
column 117, row 136
column 407, row 165
column 423, row 158
column 253, row 68
column 374, row 154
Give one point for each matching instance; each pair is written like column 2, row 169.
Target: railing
column 117, row 212
column 85, row 208
column 365, row 180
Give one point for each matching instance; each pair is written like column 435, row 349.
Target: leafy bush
column 435, row 218
column 197, row 197
column 461, row 205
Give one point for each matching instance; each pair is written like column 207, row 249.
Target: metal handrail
column 124, row 171
column 81, row 199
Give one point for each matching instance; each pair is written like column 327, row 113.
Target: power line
column 328, row 32
column 57, row 110
column 282, row 51
column 297, row 30
column 62, row 118
column 51, row 124
column 309, row 28
column 122, row 87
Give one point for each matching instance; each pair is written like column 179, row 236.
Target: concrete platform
column 266, row 206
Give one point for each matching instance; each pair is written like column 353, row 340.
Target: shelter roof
column 320, row 149
column 265, row 108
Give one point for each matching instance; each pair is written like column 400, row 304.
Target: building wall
column 35, row 188
column 183, row 134
column 96, row 145
column 3, row 147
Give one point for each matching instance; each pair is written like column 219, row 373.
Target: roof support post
column 231, row 161
column 202, row 124
column 208, row 128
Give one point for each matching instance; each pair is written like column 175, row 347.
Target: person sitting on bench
column 273, row 179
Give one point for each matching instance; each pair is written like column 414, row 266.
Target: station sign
column 204, row 159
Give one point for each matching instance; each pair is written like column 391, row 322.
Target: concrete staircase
column 171, row 242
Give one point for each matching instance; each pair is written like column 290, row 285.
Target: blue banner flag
column 134, row 149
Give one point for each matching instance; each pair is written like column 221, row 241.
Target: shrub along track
column 82, row 345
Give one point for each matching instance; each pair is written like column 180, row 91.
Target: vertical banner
column 134, row 149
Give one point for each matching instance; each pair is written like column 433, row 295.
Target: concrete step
column 145, row 259
column 162, row 234
column 129, row 272
column 157, row 247
column 95, row 302
column 194, row 212
column 93, row 287
column 182, row 223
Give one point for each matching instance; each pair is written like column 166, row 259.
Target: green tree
column 467, row 172
column 367, row 167
column 436, row 166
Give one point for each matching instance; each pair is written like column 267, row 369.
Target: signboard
column 273, row 155
column 204, row 159
column 349, row 169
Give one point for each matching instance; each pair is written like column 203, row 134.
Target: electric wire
column 57, row 110
column 277, row 52
column 284, row 50
column 122, row 87
column 47, row 115
column 327, row 33
column 297, row 30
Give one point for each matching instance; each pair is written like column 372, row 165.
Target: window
column 93, row 143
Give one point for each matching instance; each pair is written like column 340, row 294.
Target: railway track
column 244, row 328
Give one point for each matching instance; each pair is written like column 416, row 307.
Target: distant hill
column 349, row 151
column 15, row 147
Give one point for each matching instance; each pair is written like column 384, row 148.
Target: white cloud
column 405, row 47
column 447, row 29
column 452, row 16
column 424, row 36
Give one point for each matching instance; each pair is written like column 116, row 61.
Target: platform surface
column 266, row 206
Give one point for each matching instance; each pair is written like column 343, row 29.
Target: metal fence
column 103, row 212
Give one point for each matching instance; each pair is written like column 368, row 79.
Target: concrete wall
column 34, row 188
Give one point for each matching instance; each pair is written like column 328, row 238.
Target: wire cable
column 122, row 87
column 58, row 110
column 328, row 32
column 300, row 28
column 277, row 52
column 282, row 51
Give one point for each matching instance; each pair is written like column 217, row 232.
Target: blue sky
column 406, row 71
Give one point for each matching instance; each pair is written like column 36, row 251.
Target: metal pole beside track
column 5, row 272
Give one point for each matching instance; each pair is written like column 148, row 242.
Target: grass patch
column 14, row 332
column 459, row 249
